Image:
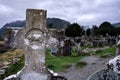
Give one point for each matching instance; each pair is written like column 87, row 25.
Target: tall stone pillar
column 34, row 42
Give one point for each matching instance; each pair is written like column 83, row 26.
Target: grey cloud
column 85, row 12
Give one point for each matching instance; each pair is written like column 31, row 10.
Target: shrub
column 74, row 53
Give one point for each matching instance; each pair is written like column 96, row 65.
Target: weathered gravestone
column 105, row 75
column 111, row 73
column 67, row 47
column 34, row 68
column 118, row 48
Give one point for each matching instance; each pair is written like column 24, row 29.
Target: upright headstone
column 67, row 48
column 118, row 48
column 34, row 41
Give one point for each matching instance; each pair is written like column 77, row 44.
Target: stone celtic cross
column 34, row 40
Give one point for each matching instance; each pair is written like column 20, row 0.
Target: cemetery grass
column 61, row 63
column 108, row 52
column 58, row 64
column 8, row 57
column 14, row 68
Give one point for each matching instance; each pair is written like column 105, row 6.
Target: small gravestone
column 67, row 48
column 61, row 47
column 118, row 48
column 34, row 68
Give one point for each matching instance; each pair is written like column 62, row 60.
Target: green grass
column 14, row 68
column 55, row 63
column 106, row 52
column 61, row 63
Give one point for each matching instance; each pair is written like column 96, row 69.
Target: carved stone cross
column 34, row 41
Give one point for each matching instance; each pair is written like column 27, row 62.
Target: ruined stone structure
column 59, row 34
column 34, row 41
column 19, row 39
column 9, row 36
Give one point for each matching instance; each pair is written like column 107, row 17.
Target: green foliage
column 74, row 53
column 14, row 68
column 106, row 28
column 74, row 30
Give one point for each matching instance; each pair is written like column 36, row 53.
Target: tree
column 95, row 30
column 50, row 25
column 74, row 30
column 107, row 28
column 88, row 32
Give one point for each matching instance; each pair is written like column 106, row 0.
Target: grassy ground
column 55, row 63
column 60, row 63
column 11, row 54
column 111, row 51
column 14, row 68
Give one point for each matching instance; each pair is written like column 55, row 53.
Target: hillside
column 57, row 23
column 116, row 24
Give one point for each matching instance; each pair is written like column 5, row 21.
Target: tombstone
column 67, row 48
column 94, row 43
column 115, row 63
column 105, row 74
column 111, row 73
column 34, row 68
column 118, row 48
column 61, row 45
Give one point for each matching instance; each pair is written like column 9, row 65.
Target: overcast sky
column 84, row 12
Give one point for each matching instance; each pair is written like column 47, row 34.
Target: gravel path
column 93, row 64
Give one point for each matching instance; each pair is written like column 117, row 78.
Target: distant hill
column 116, row 24
column 57, row 23
column 15, row 24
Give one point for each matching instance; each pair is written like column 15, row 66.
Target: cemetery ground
column 72, row 67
